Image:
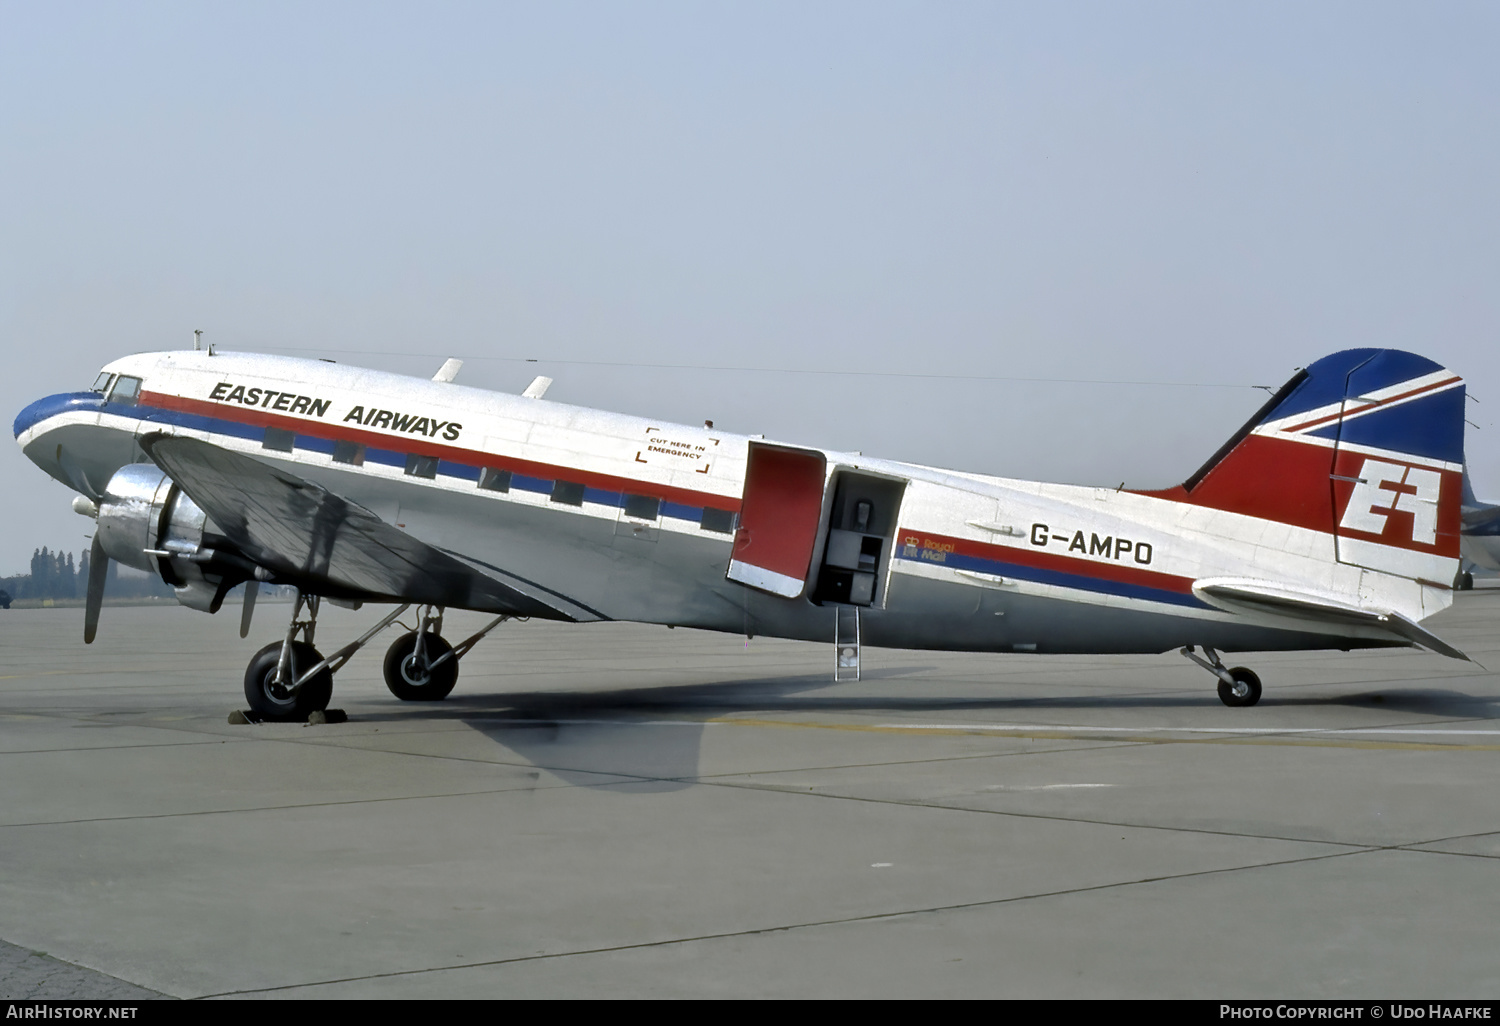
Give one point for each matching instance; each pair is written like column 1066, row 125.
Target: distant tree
column 44, row 578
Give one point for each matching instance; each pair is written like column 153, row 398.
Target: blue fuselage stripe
column 223, row 427
column 1061, row 579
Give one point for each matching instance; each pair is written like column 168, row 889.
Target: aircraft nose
column 51, row 406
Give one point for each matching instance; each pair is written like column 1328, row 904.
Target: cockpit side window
column 101, row 383
column 126, row 391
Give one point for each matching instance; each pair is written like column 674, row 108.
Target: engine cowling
column 147, row 521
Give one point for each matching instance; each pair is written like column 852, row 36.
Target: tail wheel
column 1245, row 690
column 412, row 682
column 275, row 701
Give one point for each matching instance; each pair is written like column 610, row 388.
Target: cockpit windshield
column 101, row 383
column 126, row 391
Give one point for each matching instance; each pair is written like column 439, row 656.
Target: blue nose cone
column 52, row 406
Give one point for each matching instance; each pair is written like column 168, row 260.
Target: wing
column 329, row 545
column 1247, row 595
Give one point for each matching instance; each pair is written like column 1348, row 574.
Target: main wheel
column 412, row 683
column 272, row 701
column 1244, row 691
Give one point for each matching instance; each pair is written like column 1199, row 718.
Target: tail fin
column 1365, row 445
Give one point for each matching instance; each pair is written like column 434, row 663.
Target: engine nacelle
column 146, row 521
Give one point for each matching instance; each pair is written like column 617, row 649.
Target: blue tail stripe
column 1353, row 371
column 1431, row 427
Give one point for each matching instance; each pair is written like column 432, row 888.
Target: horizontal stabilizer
column 1239, row 594
column 1481, row 520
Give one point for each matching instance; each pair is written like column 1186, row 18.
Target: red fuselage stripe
column 1043, row 560
column 455, row 454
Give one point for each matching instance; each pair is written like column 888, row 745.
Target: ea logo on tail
column 1383, row 488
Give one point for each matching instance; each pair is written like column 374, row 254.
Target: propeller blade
column 252, row 588
column 98, row 572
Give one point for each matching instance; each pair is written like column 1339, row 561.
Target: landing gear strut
column 1237, row 687
column 290, row 680
column 420, row 666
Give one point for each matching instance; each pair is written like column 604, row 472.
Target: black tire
column 407, row 682
column 1466, row 582
column 1246, row 691
column 271, row 701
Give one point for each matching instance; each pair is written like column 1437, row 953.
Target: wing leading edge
column 309, row 535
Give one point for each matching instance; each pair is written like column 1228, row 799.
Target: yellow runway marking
column 1124, row 734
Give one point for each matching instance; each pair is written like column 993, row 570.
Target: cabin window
column 127, row 391
column 569, row 493
column 278, row 439
column 720, row 521
column 642, row 507
column 351, row 453
column 418, row 465
column 492, row 480
column 101, row 383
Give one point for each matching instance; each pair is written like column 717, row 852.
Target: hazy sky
column 953, row 195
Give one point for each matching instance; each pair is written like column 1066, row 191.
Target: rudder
column 1365, row 445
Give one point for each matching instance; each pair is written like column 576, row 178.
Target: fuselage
column 632, row 519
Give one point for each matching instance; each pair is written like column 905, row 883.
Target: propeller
column 252, row 588
column 98, row 573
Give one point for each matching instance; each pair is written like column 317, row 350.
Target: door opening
column 857, row 548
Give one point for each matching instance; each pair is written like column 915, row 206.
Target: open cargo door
column 779, row 517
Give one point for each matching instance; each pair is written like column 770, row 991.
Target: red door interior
column 778, row 519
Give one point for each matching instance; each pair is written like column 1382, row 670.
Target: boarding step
column 846, row 643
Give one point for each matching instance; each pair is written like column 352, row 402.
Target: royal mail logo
column 1384, row 488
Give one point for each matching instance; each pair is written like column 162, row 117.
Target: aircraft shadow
column 576, row 736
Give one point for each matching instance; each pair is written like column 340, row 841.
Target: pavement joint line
column 634, row 778
column 656, row 778
column 74, row 970
column 317, row 805
column 712, row 781
column 1454, row 837
column 123, row 748
column 1455, row 854
column 812, row 924
column 1051, row 817
column 1403, row 846
column 873, row 917
column 111, row 689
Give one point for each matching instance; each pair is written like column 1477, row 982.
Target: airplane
column 1480, row 543
column 1330, row 520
